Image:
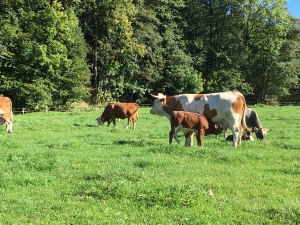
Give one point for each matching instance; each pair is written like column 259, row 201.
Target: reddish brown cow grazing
column 6, row 116
column 192, row 122
column 119, row 110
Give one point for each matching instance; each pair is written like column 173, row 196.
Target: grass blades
column 60, row 168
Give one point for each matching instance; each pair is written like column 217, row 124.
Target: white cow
column 225, row 108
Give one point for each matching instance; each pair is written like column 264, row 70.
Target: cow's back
column 189, row 120
column 123, row 110
column 252, row 119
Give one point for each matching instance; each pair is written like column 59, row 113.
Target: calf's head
column 214, row 128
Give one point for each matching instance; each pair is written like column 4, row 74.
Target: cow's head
column 260, row 133
column 159, row 103
column 100, row 121
column 214, row 128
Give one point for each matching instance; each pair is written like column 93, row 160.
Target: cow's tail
column 243, row 121
column 11, row 111
column 11, row 116
column 137, row 111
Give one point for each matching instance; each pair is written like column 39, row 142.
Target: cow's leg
column 134, row 119
column 9, row 126
column 114, row 121
column 239, row 141
column 176, row 130
column 128, row 123
column 172, row 134
column 236, row 137
column 224, row 132
column 176, row 137
column 189, row 138
column 199, row 137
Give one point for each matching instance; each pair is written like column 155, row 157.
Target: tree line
column 55, row 52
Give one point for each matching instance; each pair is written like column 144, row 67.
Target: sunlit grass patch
column 61, row 168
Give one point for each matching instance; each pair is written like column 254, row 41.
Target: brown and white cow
column 225, row 108
column 120, row 110
column 192, row 122
column 6, row 115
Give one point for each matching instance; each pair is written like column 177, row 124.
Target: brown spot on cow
column 172, row 104
column 239, row 107
column 209, row 113
column 198, row 97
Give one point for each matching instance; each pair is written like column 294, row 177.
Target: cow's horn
column 154, row 96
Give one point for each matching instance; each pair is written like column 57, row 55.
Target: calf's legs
column 199, row 137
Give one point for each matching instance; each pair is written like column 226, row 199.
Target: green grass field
column 60, row 168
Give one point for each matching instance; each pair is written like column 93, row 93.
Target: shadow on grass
column 290, row 215
column 86, row 125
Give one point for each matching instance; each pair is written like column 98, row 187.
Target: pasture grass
column 60, row 168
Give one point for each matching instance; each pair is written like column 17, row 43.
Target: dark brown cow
column 6, row 116
column 192, row 122
column 119, row 110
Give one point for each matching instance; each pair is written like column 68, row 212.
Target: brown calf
column 119, row 110
column 192, row 122
column 6, row 116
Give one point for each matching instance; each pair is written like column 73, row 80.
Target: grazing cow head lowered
column 225, row 108
column 121, row 110
column 192, row 122
column 254, row 125
column 6, row 115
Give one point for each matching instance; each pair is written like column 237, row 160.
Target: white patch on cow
column 251, row 138
column 161, row 96
column 157, row 109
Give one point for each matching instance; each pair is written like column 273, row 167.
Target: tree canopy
column 53, row 53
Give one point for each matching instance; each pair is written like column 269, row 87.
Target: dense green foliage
column 60, row 168
column 56, row 52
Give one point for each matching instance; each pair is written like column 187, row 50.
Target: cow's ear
column 216, row 126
